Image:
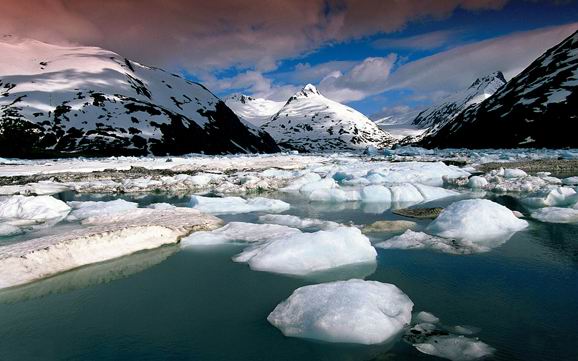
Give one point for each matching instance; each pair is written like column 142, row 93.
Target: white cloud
column 457, row 68
column 428, row 41
column 366, row 78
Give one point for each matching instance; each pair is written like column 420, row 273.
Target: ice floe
column 297, row 222
column 556, row 215
column 430, row 337
column 305, row 253
column 554, row 197
column 21, row 213
column 476, row 220
column 239, row 232
column 233, row 205
column 92, row 209
column 39, row 258
column 354, row 311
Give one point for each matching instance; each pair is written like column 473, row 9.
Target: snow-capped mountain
column 311, row 122
column 454, row 104
column 399, row 124
column 63, row 100
column 256, row 111
column 537, row 108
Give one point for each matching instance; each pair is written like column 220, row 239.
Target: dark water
column 168, row 304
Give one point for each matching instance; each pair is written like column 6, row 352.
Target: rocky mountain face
column 537, row 108
column 70, row 101
column 256, row 111
column 310, row 122
column 451, row 106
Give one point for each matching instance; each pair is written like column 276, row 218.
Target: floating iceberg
column 476, row 220
column 419, row 240
column 21, row 213
column 305, row 253
column 555, row 197
column 556, row 215
column 239, row 232
column 297, row 222
column 233, row 205
column 354, row 311
column 27, row 261
column 431, row 338
column 100, row 209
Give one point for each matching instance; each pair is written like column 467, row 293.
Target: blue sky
column 416, row 40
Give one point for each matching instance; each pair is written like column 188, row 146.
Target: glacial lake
column 196, row 304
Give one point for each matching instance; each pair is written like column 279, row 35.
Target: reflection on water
column 88, row 276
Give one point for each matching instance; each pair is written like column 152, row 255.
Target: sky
column 378, row 56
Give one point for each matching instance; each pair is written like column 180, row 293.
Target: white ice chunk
column 305, row 253
column 354, row 311
column 455, row 348
column 376, row 194
column 7, row 230
column 514, row 173
column 297, row 222
column 234, row 205
column 430, row 193
column 556, row 197
column 296, row 184
column 477, row 182
column 241, row 232
column 405, row 193
column 476, row 220
column 92, row 209
column 39, row 209
column 570, row 180
column 333, row 195
column 424, row 316
column 556, row 215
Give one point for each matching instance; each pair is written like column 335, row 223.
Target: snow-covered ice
column 305, row 253
column 556, row 215
column 21, row 213
column 354, row 311
column 101, row 209
column 233, row 205
column 297, row 222
column 239, row 232
column 38, row 258
column 476, row 220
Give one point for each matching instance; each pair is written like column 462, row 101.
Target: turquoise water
column 171, row 304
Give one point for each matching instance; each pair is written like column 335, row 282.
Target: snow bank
column 233, row 205
column 39, row 258
column 556, row 215
column 305, row 253
column 92, row 209
column 476, row 220
column 297, row 222
column 354, row 311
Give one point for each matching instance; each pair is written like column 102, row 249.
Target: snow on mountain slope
column 399, row 125
column 59, row 100
column 537, row 108
column 451, row 106
column 256, row 111
column 310, row 122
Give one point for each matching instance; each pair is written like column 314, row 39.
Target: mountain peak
column 307, row 90
column 496, row 76
column 242, row 98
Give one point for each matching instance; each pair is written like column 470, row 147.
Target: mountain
column 310, row 122
column 451, row 106
column 537, row 108
column 256, row 111
column 63, row 100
